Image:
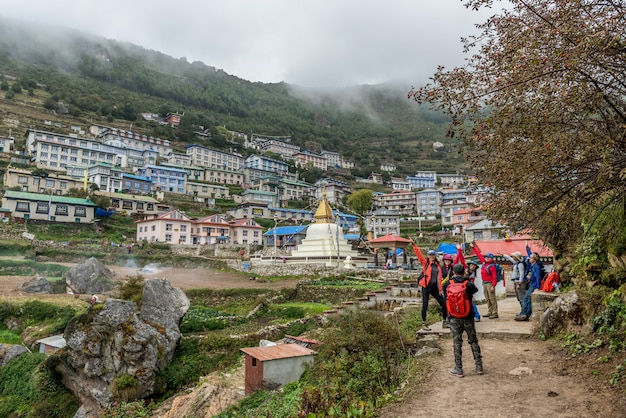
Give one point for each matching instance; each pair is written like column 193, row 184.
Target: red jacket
column 489, row 275
column 427, row 268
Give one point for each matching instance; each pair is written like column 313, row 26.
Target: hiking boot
column 456, row 372
column 493, row 317
column 477, row 319
column 521, row 318
column 445, row 324
column 479, row 370
column 425, row 327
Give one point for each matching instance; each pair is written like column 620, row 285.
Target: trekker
column 519, row 274
column 534, row 283
column 462, row 320
column 489, row 275
column 470, row 272
column 431, row 283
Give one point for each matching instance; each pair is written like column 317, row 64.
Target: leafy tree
column 541, row 106
column 16, row 87
column 4, row 86
column 361, row 201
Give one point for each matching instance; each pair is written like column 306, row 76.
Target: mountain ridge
column 115, row 81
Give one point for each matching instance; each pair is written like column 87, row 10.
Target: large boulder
column 114, row 354
column 90, row 276
column 563, row 310
column 36, row 285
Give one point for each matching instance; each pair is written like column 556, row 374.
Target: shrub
column 131, row 289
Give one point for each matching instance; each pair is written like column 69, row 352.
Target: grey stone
column 563, row 307
column 90, row 276
column 119, row 340
column 10, row 351
column 36, row 285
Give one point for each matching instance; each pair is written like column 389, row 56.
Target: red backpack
column 548, row 283
column 457, row 302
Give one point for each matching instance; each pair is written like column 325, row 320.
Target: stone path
column 503, row 327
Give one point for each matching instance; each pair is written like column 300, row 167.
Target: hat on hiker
column 432, row 252
column 489, row 255
column 458, row 269
column 517, row 254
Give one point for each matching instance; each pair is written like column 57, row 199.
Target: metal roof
column 287, row 230
column 55, row 341
column 37, row 197
column 275, row 352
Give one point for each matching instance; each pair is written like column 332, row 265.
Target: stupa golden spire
column 324, row 214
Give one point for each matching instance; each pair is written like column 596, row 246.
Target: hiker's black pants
column 432, row 290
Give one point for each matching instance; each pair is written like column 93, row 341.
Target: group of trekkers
column 452, row 283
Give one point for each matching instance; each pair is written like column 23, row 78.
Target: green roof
column 38, row 197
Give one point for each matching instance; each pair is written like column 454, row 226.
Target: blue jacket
column 535, row 275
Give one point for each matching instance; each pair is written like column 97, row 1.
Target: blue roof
column 351, row 236
column 287, row 230
column 132, row 176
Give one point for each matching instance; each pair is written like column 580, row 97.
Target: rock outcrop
column 36, row 285
column 114, row 353
column 90, row 276
column 564, row 309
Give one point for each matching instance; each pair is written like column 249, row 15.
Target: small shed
column 51, row 344
column 272, row 367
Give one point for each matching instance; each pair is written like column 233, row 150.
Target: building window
column 80, row 211
column 42, row 207
column 22, row 207
column 153, row 228
column 168, row 237
column 168, row 227
column 22, row 180
column 61, row 210
column 183, row 228
column 49, row 183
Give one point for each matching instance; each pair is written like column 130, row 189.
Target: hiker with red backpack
column 431, row 283
column 471, row 270
column 459, row 291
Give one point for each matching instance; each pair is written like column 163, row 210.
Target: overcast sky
column 313, row 43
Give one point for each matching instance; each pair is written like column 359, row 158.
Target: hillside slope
column 110, row 82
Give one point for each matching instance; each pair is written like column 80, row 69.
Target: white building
column 212, row 158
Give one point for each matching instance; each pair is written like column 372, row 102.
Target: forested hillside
column 111, row 82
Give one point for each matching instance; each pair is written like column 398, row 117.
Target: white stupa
column 324, row 240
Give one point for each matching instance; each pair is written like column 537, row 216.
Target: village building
column 41, row 207
column 212, row 158
column 132, row 139
column 245, row 231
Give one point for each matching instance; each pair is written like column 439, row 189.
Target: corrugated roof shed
column 276, row 352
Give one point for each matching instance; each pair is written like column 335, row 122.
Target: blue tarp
column 446, row 248
column 101, row 213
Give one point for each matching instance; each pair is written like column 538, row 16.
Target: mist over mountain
column 112, row 82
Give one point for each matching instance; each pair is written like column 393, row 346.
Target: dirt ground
column 524, row 378
column 178, row 277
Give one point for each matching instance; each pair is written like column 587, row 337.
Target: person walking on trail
column 489, row 275
column 431, row 283
column 460, row 291
column 534, row 283
column 519, row 274
column 470, row 272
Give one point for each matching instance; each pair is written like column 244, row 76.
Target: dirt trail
column 552, row 389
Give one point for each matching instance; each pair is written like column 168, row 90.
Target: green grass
column 9, row 337
column 30, row 268
column 307, row 307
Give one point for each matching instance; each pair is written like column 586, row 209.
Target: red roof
column 508, row 246
column 389, row 238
